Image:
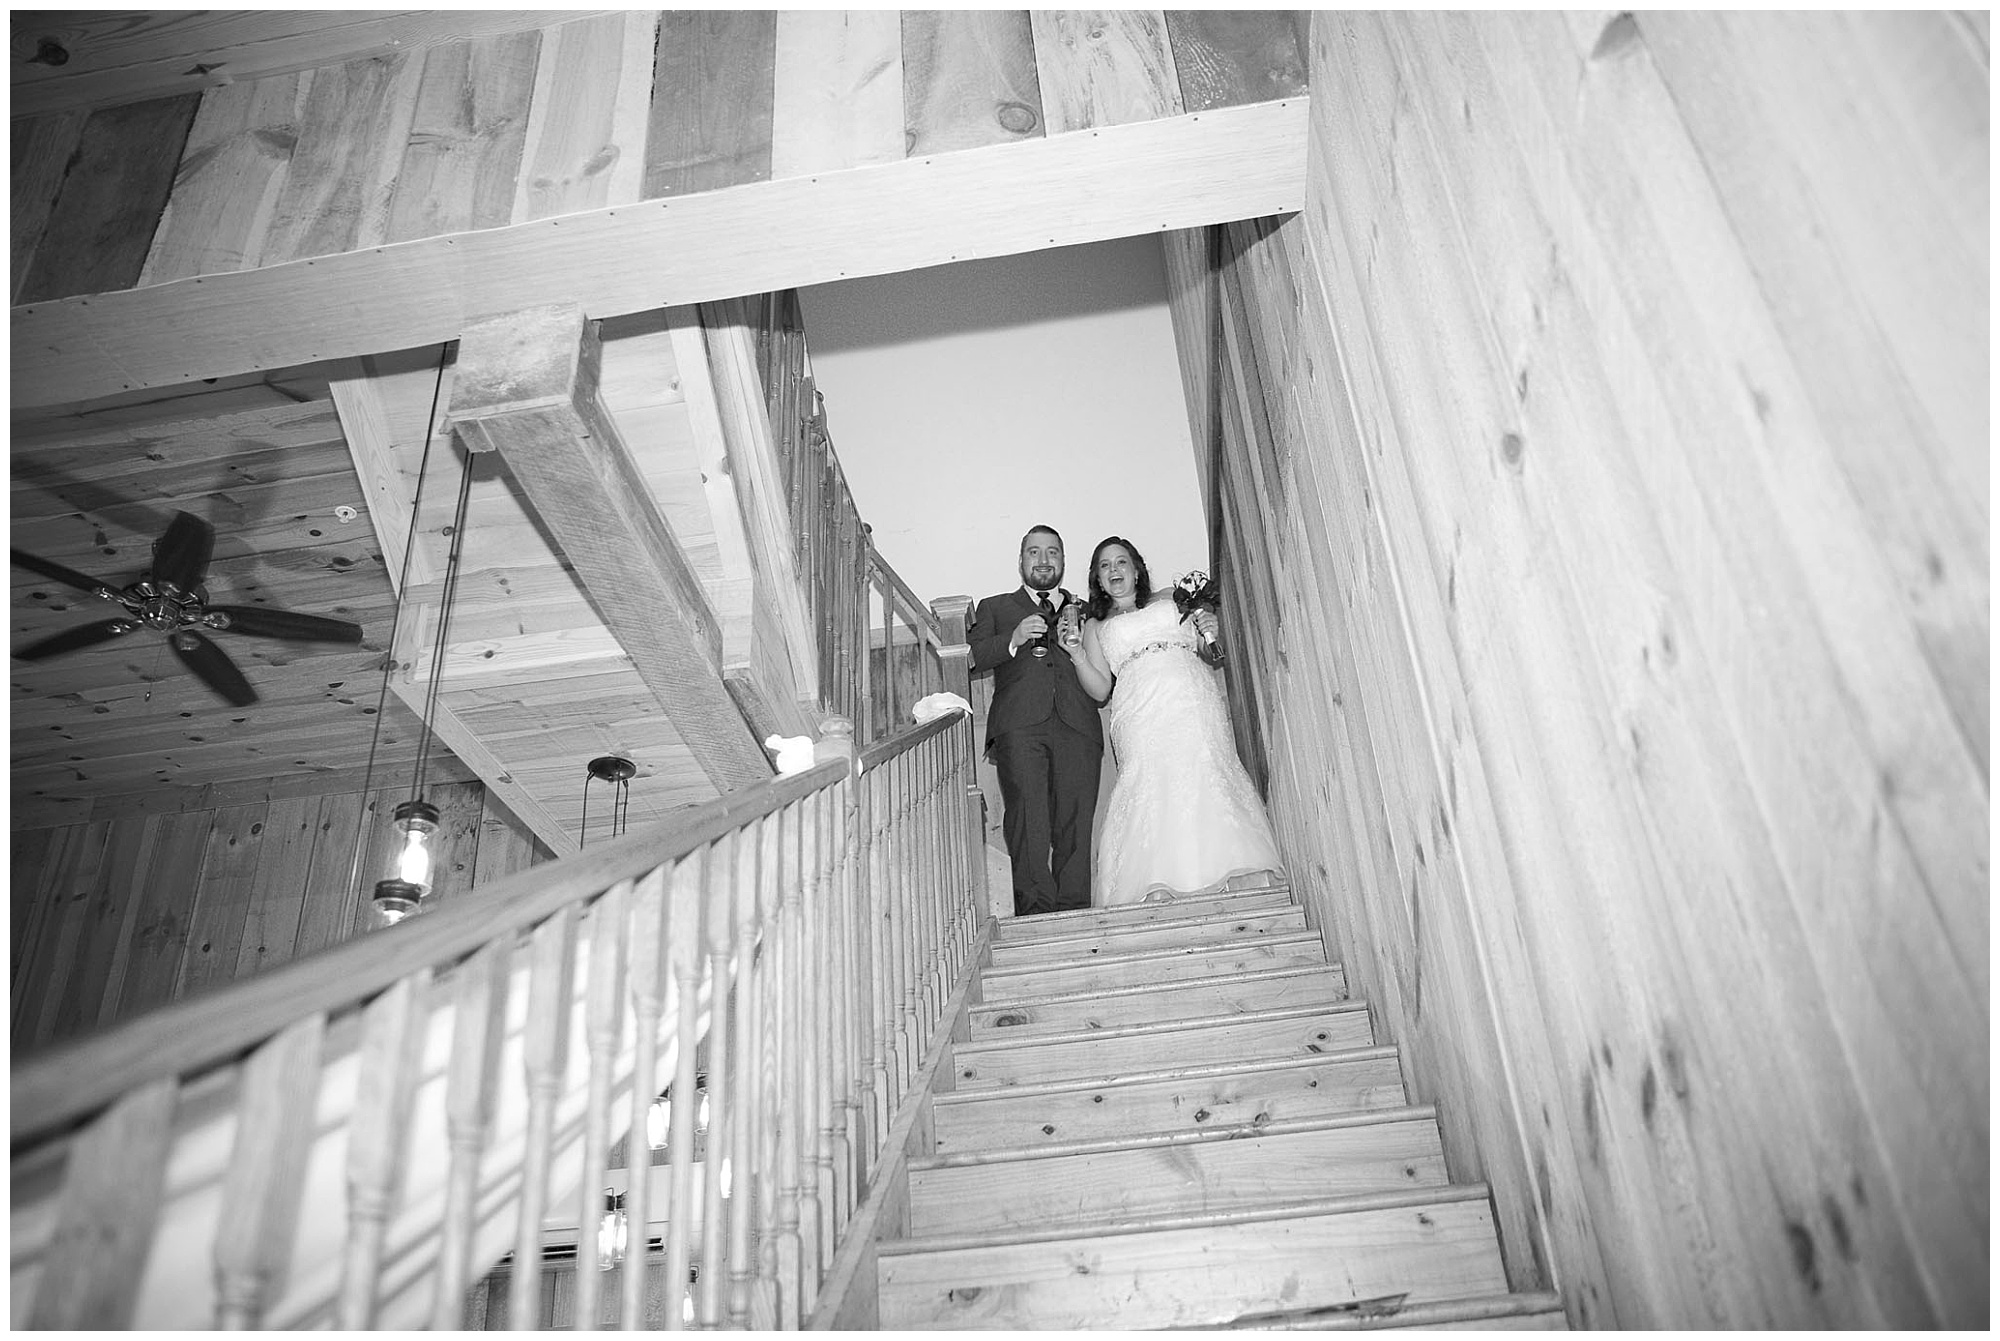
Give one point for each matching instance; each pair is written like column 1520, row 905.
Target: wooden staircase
column 1172, row 1115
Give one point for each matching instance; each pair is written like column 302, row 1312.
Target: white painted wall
column 969, row 402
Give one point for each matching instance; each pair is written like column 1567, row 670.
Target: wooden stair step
column 1233, row 1095
column 1433, row 1244
column 1224, row 994
column 1157, row 964
column 1289, row 1031
column 1179, row 1173
column 1082, row 920
column 1529, row 1311
column 1176, row 931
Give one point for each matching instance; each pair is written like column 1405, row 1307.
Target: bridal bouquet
column 1196, row 590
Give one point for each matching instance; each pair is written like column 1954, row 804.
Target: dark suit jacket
column 1026, row 688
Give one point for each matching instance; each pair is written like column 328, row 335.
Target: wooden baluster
column 799, row 1205
column 967, row 807
column 683, row 950
column 881, row 960
column 392, row 1035
column 545, row 1059
column 908, row 944
column 479, row 1023
column 904, row 847
column 847, row 1051
column 840, row 1000
column 111, row 1194
column 958, row 853
column 724, row 1084
column 260, row 1193
column 603, row 1021
column 778, row 1261
column 972, row 840
column 937, row 896
column 644, row 949
column 749, row 1174
column 898, row 934
column 950, row 864
column 819, row 953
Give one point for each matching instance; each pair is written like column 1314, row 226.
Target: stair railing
column 356, row 1138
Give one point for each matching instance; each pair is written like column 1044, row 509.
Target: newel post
column 954, row 614
column 954, row 652
column 836, row 741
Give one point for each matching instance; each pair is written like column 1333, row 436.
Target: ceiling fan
column 171, row 598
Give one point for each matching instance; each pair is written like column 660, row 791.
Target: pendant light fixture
column 416, row 819
column 612, row 1231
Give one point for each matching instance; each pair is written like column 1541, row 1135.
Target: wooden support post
column 526, row 387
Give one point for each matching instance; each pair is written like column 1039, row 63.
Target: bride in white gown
column 1184, row 816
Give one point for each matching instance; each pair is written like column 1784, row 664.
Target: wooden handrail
column 805, row 933
column 55, row 1087
column 353, row 1137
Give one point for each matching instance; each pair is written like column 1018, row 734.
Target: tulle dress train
column 1184, row 816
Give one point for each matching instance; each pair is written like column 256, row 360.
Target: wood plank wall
column 505, row 127
column 1601, row 465
column 130, row 909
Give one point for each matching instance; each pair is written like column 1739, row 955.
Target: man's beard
column 1051, row 585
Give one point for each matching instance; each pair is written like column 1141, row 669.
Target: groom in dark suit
column 1042, row 732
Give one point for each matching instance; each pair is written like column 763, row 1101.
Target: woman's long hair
column 1099, row 605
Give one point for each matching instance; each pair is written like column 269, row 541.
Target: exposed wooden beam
column 526, row 387
column 768, row 691
column 371, row 442
column 758, row 479
column 1116, row 181
column 553, row 655
column 118, row 56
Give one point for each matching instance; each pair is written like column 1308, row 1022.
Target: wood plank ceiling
column 534, row 685
column 232, row 242
column 125, row 717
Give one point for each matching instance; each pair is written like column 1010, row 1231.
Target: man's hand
column 1025, row 632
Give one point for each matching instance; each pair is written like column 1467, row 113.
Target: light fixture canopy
column 617, row 770
column 612, row 768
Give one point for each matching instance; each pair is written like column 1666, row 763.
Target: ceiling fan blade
column 56, row 572
column 71, row 640
column 181, row 554
column 212, row 666
column 260, row 622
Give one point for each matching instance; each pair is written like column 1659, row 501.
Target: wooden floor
column 1172, row 1115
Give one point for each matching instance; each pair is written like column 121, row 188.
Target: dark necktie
column 1048, row 611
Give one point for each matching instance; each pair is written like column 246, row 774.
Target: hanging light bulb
column 399, row 896
column 687, row 1295
column 611, row 1231
column 722, row 1177
column 659, row 1121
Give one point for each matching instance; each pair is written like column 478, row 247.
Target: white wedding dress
column 1183, row 816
